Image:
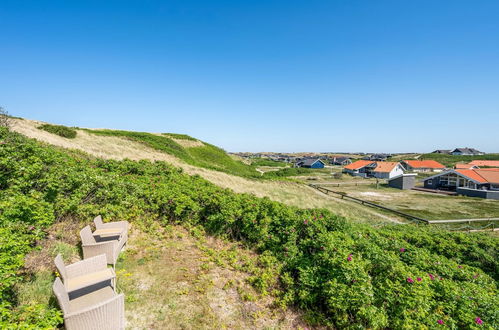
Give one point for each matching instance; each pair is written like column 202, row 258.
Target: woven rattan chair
column 111, row 229
column 101, row 309
column 84, row 273
column 92, row 247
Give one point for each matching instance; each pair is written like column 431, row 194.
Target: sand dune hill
column 111, row 147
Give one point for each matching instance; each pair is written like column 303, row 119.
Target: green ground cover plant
column 180, row 136
column 64, row 131
column 343, row 274
column 289, row 171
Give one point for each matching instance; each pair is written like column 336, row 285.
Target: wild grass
column 183, row 279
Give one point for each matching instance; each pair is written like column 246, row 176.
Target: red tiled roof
column 385, row 167
column 491, row 163
column 358, row 164
column 491, row 175
column 463, row 166
column 472, row 174
column 424, row 164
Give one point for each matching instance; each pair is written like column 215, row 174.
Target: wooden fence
column 491, row 221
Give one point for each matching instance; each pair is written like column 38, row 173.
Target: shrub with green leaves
column 64, row 131
column 342, row 274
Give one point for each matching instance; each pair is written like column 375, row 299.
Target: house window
column 430, row 181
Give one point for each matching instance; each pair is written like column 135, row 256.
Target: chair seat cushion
column 83, row 281
column 91, row 299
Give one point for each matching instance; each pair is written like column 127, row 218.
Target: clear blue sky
column 345, row 75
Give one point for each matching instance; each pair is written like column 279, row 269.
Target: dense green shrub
column 180, row 136
column 66, row 132
column 267, row 162
column 289, row 171
column 344, row 275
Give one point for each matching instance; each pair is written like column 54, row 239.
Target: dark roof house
column 341, row 161
column 467, row 152
column 311, row 163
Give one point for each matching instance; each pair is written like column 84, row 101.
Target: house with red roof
column 423, row 166
column 387, row 170
column 368, row 169
column 360, row 168
column 485, row 163
column 471, row 182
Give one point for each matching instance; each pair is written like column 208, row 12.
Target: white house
column 387, row 170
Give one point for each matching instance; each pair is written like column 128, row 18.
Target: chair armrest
column 109, row 314
column 87, row 266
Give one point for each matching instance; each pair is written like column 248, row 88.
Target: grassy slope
column 206, row 156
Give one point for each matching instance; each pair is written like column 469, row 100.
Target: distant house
column 485, row 163
column 466, row 152
column 423, row 166
column 470, row 182
column 341, row 161
column 461, row 166
column 381, row 170
column 387, row 170
column 377, row 157
column 311, row 163
column 360, row 168
column 442, row 151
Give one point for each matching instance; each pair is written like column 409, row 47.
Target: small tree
column 4, row 118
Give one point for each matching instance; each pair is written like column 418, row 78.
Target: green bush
column 66, row 132
column 180, row 136
column 267, row 162
column 289, row 171
column 342, row 274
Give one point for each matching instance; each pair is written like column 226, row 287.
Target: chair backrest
column 59, row 264
column 61, row 295
column 86, row 236
column 98, row 221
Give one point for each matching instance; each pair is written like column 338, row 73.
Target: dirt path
column 171, row 283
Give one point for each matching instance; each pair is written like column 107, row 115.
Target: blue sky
column 379, row 76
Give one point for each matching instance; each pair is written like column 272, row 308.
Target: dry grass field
column 426, row 205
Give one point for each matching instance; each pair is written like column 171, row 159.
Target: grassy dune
column 115, row 147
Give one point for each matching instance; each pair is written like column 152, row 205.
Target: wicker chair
column 102, row 309
column 111, row 229
column 91, row 247
column 84, row 273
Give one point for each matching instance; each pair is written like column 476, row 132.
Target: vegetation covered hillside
column 451, row 160
column 341, row 274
